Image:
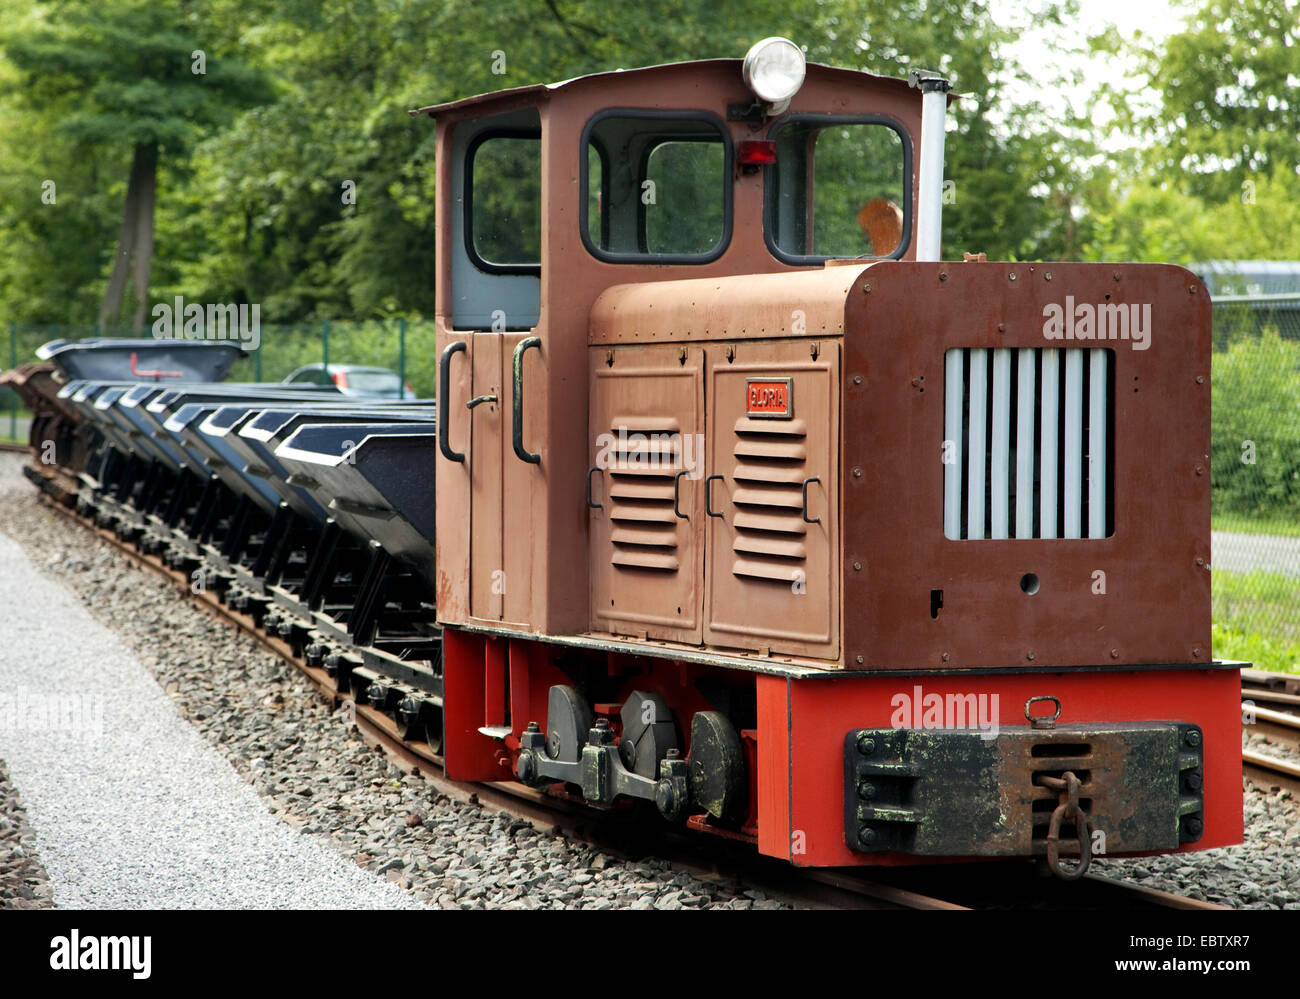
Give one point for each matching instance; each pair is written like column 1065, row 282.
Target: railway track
column 934, row 887
column 1271, row 708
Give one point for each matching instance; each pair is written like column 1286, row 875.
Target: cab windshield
column 838, row 189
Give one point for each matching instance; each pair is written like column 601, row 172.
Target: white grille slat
column 1050, row 405
column 952, row 420
column 1072, row 452
column 999, row 466
column 976, row 449
column 1025, row 447
column 1029, row 429
column 1097, row 453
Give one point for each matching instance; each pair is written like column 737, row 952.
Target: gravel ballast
column 130, row 805
column 318, row 778
column 23, row 881
column 315, row 774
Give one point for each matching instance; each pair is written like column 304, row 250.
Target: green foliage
column 1254, row 618
column 1255, row 446
column 84, row 83
column 1216, row 177
column 1259, row 650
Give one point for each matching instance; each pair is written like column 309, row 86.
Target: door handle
column 708, row 497
column 806, row 518
column 444, row 391
column 677, row 483
column 594, row 505
column 517, row 430
column 479, row 400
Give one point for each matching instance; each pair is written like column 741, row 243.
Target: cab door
column 494, row 246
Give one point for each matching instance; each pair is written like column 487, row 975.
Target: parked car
column 353, row 379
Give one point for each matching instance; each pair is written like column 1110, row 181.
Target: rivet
column 860, row 660
column 866, row 745
column 1047, row 275
column 866, row 288
column 943, row 275
column 1115, row 275
column 857, row 471
column 1199, row 560
column 1200, row 379
column 944, row 657
column 866, row 790
column 1193, row 736
column 867, row 836
column 1011, row 276
column 1114, row 653
column 1030, row 656
column 1196, row 654
column 857, row 379
column 1002, row 327
column 1200, row 469
column 916, row 382
column 1191, row 289
column 857, row 566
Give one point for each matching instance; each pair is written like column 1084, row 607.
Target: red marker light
column 756, row 152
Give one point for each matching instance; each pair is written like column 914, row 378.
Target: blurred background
column 260, row 151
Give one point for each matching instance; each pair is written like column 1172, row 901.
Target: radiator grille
column 640, row 468
column 1028, row 443
column 771, row 458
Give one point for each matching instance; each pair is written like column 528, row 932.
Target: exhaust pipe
column 934, row 109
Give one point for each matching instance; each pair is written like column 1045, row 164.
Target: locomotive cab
column 550, row 197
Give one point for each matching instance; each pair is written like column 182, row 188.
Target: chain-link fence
column 1255, row 479
column 1255, row 447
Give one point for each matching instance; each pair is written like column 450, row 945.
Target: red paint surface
column 801, row 750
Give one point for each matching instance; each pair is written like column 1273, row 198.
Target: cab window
column 504, row 200
column 838, row 189
column 496, row 208
column 656, row 187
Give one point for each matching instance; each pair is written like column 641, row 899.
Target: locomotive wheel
column 648, row 733
column 433, row 729
column 717, row 767
column 568, row 720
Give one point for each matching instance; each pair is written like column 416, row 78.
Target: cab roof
column 538, row 92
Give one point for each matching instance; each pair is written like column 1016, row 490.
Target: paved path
column 131, row 807
column 1245, row 552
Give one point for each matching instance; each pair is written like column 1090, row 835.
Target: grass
column 1257, row 618
column 1288, row 527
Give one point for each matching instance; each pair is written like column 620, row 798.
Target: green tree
column 137, row 75
column 1214, row 171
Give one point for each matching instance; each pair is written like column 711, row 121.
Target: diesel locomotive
column 737, row 505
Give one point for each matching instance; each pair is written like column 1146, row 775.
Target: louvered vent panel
column 771, row 460
column 1028, row 443
column 641, row 467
